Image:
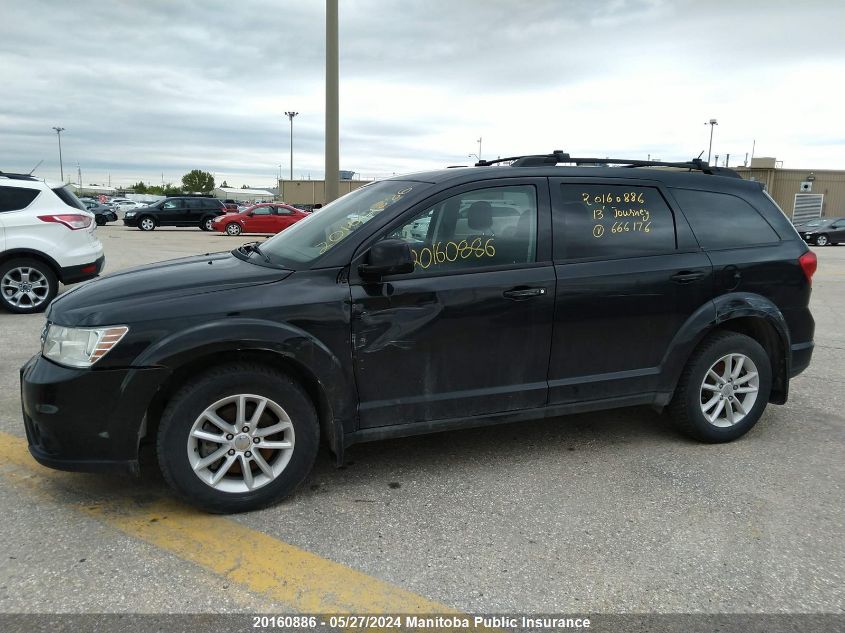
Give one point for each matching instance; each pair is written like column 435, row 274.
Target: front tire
column 233, row 228
column 146, row 223
column 822, row 240
column 27, row 285
column 723, row 389
column 238, row 438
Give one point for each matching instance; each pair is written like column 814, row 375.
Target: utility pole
column 79, row 174
column 332, row 103
column 290, row 116
column 712, row 123
column 479, row 147
column 59, row 131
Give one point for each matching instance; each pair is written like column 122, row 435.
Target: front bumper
column 86, row 419
column 131, row 221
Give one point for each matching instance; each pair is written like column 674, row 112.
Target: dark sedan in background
column 823, row 231
column 102, row 213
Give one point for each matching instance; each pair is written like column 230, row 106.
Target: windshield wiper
column 253, row 247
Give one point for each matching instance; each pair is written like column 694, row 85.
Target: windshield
column 311, row 237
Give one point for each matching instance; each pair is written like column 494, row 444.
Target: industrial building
column 801, row 193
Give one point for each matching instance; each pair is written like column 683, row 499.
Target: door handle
column 524, row 293
column 687, row 276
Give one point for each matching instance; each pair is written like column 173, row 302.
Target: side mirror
column 388, row 257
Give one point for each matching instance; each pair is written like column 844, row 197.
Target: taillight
column 73, row 221
column 808, row 263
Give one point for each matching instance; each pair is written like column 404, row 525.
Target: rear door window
column 16, row 198
column 597, row 221
column 721, row 220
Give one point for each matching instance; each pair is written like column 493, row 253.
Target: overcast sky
column 151, row 87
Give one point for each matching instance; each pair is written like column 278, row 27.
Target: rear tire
column 146, row 223
column 207, row 223
column 27, row 285
column 712, row 403
column 231, row 393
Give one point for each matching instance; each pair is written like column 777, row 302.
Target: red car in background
column 271, row 217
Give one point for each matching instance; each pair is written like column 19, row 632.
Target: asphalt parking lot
column 607, row 512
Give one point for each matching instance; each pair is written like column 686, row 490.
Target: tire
column 822, row 240
column 206, row 223
column 42, row 283
column 101, row 221
column 692, row 395
column 233, row 228
column 146, row 223
column 181, row 456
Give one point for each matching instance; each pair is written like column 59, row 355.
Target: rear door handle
column 687, row 276
column 524, row 293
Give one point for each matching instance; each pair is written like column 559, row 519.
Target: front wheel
column 822, row 240
column 27, row 285
column 723, row 389
column 233, row 229
column 238, row 438
column 146, row 224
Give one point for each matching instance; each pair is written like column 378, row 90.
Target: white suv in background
column 46, row 237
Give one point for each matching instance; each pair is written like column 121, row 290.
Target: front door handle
column 523, row 293
column 687, row 276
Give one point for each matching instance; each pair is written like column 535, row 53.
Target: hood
column 89, row 303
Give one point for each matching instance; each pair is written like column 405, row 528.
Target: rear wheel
column 27, row 285
column 822, row 240
column 146, row 223
column 724, row 388
column 237, row 439
column 233, row 228
column 207, row 223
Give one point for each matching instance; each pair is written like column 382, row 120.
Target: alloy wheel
column 729, row 390
column 233, row 229
column 240, row 443
column 147, row 224
column 821, row 240
column 25, row 287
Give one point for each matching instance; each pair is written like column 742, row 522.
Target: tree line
column 195, row 181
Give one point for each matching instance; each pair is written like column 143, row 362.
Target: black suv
column 197, row 211
column 535, row 290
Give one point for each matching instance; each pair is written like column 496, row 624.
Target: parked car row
column 211, row 214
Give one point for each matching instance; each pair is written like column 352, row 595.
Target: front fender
column 711, row 316
column 294, row 344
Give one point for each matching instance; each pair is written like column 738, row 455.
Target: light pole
column 290, row 116
column 332, row 163
column 479, row 147
column 59, row 131
column 712, row 123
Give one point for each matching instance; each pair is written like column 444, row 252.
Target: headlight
column 80, row 347
column 129, row 214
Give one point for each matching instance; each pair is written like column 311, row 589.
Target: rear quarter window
column 16, row 198
column 721, row 220
column 68, row 197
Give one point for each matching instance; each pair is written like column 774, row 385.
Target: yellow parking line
column 259, row 563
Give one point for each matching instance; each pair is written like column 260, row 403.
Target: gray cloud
column 146, row 87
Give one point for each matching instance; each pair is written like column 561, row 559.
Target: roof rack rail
column 558, row 156
column 14, row 176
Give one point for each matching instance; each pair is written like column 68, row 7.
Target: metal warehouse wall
column 783, row 184
column 312, row 191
